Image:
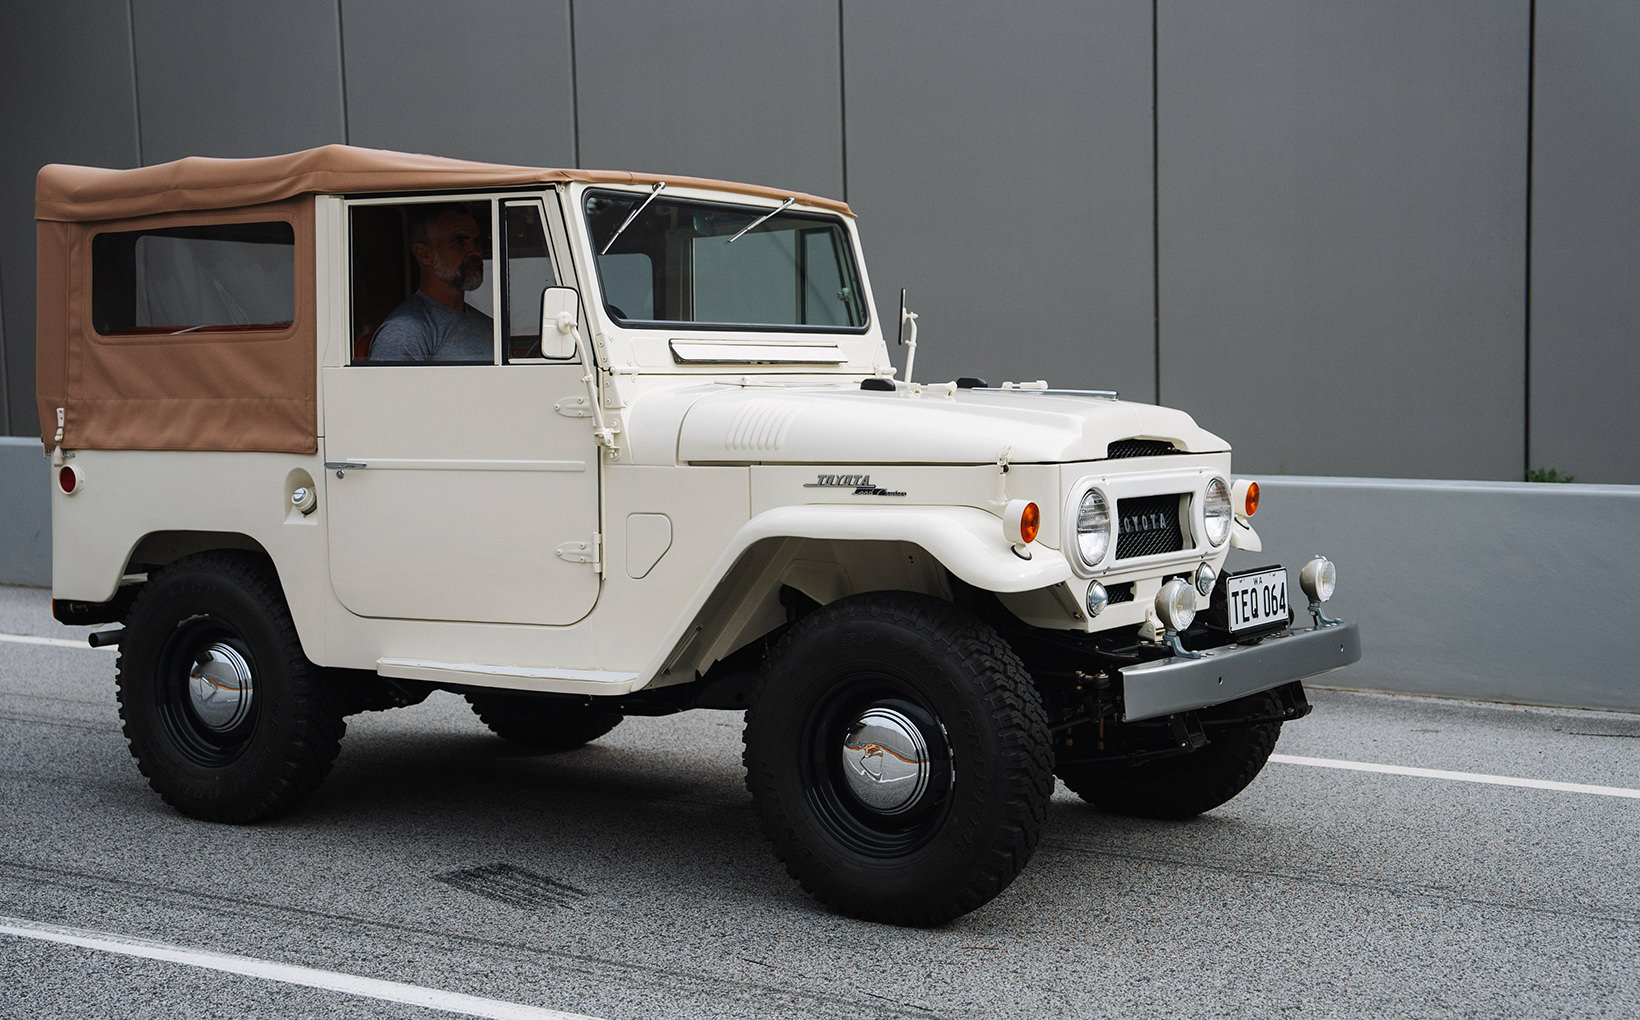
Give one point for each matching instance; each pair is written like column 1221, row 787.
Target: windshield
column 683, row 262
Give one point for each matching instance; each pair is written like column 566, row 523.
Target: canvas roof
column 82, row 194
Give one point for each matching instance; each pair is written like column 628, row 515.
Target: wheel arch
column 830, row 553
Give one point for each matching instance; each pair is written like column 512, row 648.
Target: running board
column 518, row 678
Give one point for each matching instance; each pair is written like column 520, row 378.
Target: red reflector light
column 67, row 479
column 1030, row 522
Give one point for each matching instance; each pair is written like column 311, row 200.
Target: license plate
column 1256, row 600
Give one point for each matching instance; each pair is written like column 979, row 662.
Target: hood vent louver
column 1140, row 448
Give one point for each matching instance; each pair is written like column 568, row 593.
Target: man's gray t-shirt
column 421, row 329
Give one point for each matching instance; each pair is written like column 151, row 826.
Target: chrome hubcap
column 885, row 759
column 220, row 687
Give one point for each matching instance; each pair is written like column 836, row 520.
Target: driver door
column 457, row 491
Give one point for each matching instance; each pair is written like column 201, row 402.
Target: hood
column 841, row 426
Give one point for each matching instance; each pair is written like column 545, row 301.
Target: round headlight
column 1216, row 511
column 1097, row 598
column 1176, row 604
column 1093, row 527
column 1318, row 578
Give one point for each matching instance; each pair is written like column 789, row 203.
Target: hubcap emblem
column 220, row 687
column 885, row 760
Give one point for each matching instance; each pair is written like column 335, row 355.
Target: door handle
column 343, row 466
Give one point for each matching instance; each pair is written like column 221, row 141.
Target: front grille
column 1140, row 448
column 1147, row 525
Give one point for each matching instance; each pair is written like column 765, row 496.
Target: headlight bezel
column 1218, row 512
column 1080, row 563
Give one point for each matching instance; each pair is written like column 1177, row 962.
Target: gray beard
column 468, row 276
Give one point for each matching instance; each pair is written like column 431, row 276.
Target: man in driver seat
column 436, row 323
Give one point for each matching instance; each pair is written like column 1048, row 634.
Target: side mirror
column 560, row 315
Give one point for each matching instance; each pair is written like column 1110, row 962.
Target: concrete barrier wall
column 1500, row 591
column 25, row 512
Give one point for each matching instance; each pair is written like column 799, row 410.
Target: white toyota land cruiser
column 680, row 473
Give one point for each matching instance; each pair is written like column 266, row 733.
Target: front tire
column 224, row 714
column 899, row 758
column 1184, row 785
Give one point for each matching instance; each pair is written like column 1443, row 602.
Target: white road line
column 54, row 642
column 370, row 988
column 1461, row 777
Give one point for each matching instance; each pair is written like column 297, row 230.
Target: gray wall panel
column 739, row 89
column 1000, row 158
column 1470, row 590
column 482, row 81
column 1586, row 239
column 25, row 509
column 67, row 79
column 1342, row 232
column 237, row 79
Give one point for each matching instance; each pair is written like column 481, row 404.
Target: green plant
column 1548, row 475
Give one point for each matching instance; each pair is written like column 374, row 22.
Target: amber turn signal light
column 1245, row 498
column 1021, row 521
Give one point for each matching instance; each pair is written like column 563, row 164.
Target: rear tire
column 899, row 758
column 224, row 713
column 541, row 721
column 1185, row 785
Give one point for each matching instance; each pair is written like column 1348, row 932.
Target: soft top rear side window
column 231, row 277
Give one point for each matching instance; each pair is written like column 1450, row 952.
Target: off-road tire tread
column 1180, row 787
column 543, row 724
column 1025, row 773
column 318, row 725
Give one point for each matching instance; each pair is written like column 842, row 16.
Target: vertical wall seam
column 574, row 88
column 341, row 68
column 5, row 357
column 1526, row 310
column 842, row 95
column 136, row 88
column 1155, row 201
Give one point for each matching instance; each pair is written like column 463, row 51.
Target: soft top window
column 238, row 277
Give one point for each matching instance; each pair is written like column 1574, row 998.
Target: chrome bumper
column 1224, row 674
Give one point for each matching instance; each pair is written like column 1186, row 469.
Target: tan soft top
column 73, row 194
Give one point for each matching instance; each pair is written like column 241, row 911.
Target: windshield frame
column 850, row 272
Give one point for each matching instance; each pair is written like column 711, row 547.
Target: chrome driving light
column 1205, row 578
column 1176, row 605
column 1092, row 527
column 1318, row 578
column 1097, row 599
column 1216, row 512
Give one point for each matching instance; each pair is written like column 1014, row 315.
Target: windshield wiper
column 659, row 187
column 760, row 219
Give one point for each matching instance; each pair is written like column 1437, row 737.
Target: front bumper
column 1166, row 686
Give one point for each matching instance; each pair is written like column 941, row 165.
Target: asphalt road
column 629, row 879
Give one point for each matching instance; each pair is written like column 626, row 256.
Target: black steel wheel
column 1184, row 785
column 224, row 714
column 899, row 758
column 542, row 721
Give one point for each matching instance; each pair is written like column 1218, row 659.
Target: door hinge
column 583, row 552
column 573, row 407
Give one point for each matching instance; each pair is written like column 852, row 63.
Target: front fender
column 966, row 541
